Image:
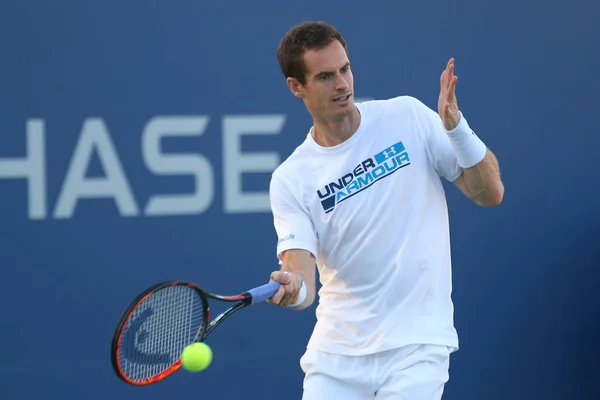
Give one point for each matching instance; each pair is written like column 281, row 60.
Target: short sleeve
column 439, row 148
column 293, row 225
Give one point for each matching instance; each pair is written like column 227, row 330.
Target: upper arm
column 293, row 225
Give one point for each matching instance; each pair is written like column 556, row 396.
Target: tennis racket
column 165, row 318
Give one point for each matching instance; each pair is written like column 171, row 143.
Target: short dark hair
column 310, row 35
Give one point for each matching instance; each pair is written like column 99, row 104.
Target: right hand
column 290, row 287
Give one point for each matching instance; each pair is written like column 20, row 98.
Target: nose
column 341, row 83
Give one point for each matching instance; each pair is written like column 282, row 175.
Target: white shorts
column 411, row 372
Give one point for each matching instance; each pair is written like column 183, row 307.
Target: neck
column 328, row 133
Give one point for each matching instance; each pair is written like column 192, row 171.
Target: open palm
column 447, row 103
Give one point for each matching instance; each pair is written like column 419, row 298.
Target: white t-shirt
column 373, row 212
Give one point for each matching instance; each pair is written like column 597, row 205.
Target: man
column 361, row 199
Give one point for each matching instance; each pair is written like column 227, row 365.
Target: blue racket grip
column 264, row 292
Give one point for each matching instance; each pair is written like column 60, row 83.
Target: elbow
column 493, row 197
column 498, row 194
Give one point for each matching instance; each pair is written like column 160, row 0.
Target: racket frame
column 206, row 326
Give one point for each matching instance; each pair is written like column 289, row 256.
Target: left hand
column 447, row 104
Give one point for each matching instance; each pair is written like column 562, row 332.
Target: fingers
column 450, row 83
column 281, row 277
column 452, row 89
column 443, row 79
column 447, row 76
column 276, row 299
column 288, row 292
column 447, row 103
column 284, row 279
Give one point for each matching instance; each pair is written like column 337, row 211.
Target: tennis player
column 361, row 200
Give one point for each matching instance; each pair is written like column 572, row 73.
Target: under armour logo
column 391, row 151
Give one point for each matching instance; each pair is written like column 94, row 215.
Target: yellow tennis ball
column 196, row 357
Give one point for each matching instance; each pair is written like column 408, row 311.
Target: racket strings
column 158, row 331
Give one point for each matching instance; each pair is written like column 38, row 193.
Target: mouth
column 342, row 98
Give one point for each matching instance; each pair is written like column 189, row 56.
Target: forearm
column 302, row 263
column 480, row 178
column 482, row 181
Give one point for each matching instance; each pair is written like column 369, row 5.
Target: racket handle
column 264, row 292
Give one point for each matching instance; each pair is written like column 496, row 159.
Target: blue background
column 526, row 273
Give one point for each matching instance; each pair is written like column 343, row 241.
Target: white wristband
column 469, row 149
column 301, row 296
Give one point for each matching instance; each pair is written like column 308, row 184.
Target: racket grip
column 264, row 292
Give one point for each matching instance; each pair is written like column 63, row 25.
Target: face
column 328, row 92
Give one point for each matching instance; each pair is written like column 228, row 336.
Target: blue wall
column 92, row 84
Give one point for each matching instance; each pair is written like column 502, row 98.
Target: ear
column 295, row 87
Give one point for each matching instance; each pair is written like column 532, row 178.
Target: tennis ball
column 196, row 357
